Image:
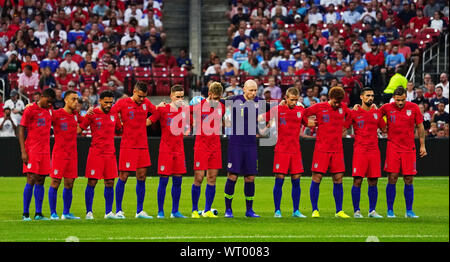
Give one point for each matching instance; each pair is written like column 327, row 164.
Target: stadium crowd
column 89, row 46
column 315, row 45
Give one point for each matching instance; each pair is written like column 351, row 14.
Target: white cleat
column 110, row 215
column 120, row 215
column 357, row 214
column 374, row 214
column 89, row 215
column 143, row 215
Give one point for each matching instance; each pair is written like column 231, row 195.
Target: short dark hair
column 141, row 86
column 336, row 93
column 399, row 91
column 176, row 88
column 365, row 89
column 106, row 93
column 69, row 92
column 49, row 92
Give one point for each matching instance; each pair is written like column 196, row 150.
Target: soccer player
column 35, row 149
column 171, row 159
column 242, row 148
column 331, row 118
column 101, row 161
column 366, row 121
column 288, row 157
column 134, row 155
column 64, row 156
column 402, row 119
column 208, row 116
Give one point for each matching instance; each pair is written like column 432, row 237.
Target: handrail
column 2, row 90
column 412, row 71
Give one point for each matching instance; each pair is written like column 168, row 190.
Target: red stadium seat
column 161, row 80
column 13, row 80
column 39, row 52
column 179, row 77
column 30, row 90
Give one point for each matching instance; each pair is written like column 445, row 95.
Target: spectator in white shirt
column 351, row 16
column 8, row 125
column 17, row 106
column 444, row 84
column 279, row 3
column 314, row 17
column 132, row 11
column 70, row 65
column 41, row 34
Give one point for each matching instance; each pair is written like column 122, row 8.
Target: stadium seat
column 179, row 76
column 161, row 81
column 12, row 79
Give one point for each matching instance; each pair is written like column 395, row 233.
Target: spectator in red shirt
column 419, row 22
column 350, row 83
column 430, row 94
column 166, row 59
column 63, row 79
column 333, row 66
column 307, row 72
column 112, row 80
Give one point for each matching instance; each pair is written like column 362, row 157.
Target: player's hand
column 422, row 151
column 374, row 106
column 356, row 107
column 162, row 104
column 149, row 122
column 282, row 103
column 24, row 157
column 311, row 122
column 90, row 111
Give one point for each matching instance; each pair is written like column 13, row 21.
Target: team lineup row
column 129, row 117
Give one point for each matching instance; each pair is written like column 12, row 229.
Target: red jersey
column 401, row 124
column 330, row 123
column 365, row 125
column 103, row 127
column 289, row 122
column 306, row 74
column 208, row 125
column 65, row 130
column 38, row 122
column 134, row 119
column 171, row 128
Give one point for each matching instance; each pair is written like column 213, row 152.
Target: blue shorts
column 242, row 160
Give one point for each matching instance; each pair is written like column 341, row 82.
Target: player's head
column 336, row 95
column 106, row 100
column 47, row 98
column 399, row 96
column 215, row 91
column 71, row 100
column 177, row 95
column 250, row 89
column 292, row 96
column 367, row 96
column 139, row 92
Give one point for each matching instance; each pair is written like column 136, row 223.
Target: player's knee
column 357, row 181
column 249, row 179
column 280, row 176
column 92, row 182
column 372, row 181
column 108, row 182
column 316, row 177
column 408, row 180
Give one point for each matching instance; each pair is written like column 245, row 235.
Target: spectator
column 390, row 31
column 314, row 17
column 432, row 132
column 42, row 35
column 236, row 19
column 59, row 100
column 431, row 92
column 132, row 12
column 398, row 79
column 415, row 52
column 17, row 106
column 431, row 7
column 419, row 22
column 404, row 49
column 440, row 116
column 410, row 93
column 275, row 91
column 70, row 66
column 100, row 8
column 75, row 32
column 444, row 83
column 241, row 37
column 309, row 100
column 129, row 59
column 286, row 61
column 63, row 79
column 252, row 67
column 229, row 68
column 50, row 61
column 406, row 13
column 426, row 80
column 34, row 65
column 351, row 85
column 351, row 16
column 242, row 55
column 437, row 23
column 130, row 36
column 47, row 80
column 88, row 77
column 434, row 102
column 394, row 59
column 332, row 16
column 8, row 125
column 420, row 99
column 112, row 79
column 166, row 59
column 426, row 116
column 12, row 65
column 28, row 79
column 184, row 61
column 307, row 72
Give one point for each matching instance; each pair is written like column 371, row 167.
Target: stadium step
column 176, row 24
column 214, row 28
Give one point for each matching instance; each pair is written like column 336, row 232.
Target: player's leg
column 141, row 174
column 163, row 181
column 210, row 191
column 390, row 193
column 338, row 193
column 108, row 194
column 316, row 178
column 120, row 189
column 295, row 194
column 277, row 193
column 67, row 198
column 52, row 197
column 229, row 193
column 356, row 195
column 27, row 195
column 196, row 190
column 176, row 194
column 249, row 192
column 373, row 196
column 409, row 195
column 89, row 197
column 39, row 196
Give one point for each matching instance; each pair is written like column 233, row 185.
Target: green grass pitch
column 431, row 203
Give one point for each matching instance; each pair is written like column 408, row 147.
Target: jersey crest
column 408, row 112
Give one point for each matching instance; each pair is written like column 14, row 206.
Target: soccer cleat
column 209, row 214
column 160, row 214
column 143, row 215
column 195, row 214
column 68, row 216
column 390, row 214
column 25, row 218
column 89, row 215
column 341, row 214
column 110, row 215
column 374, row 214
column 251, row 213
column 357, row 214
column 176, row 215
column 120, row 215
column 277, row 214
column 410, row 214
column 229, row 213
column 54, row 216
column 315, row 214
column 298, row 214
column 40, row 217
